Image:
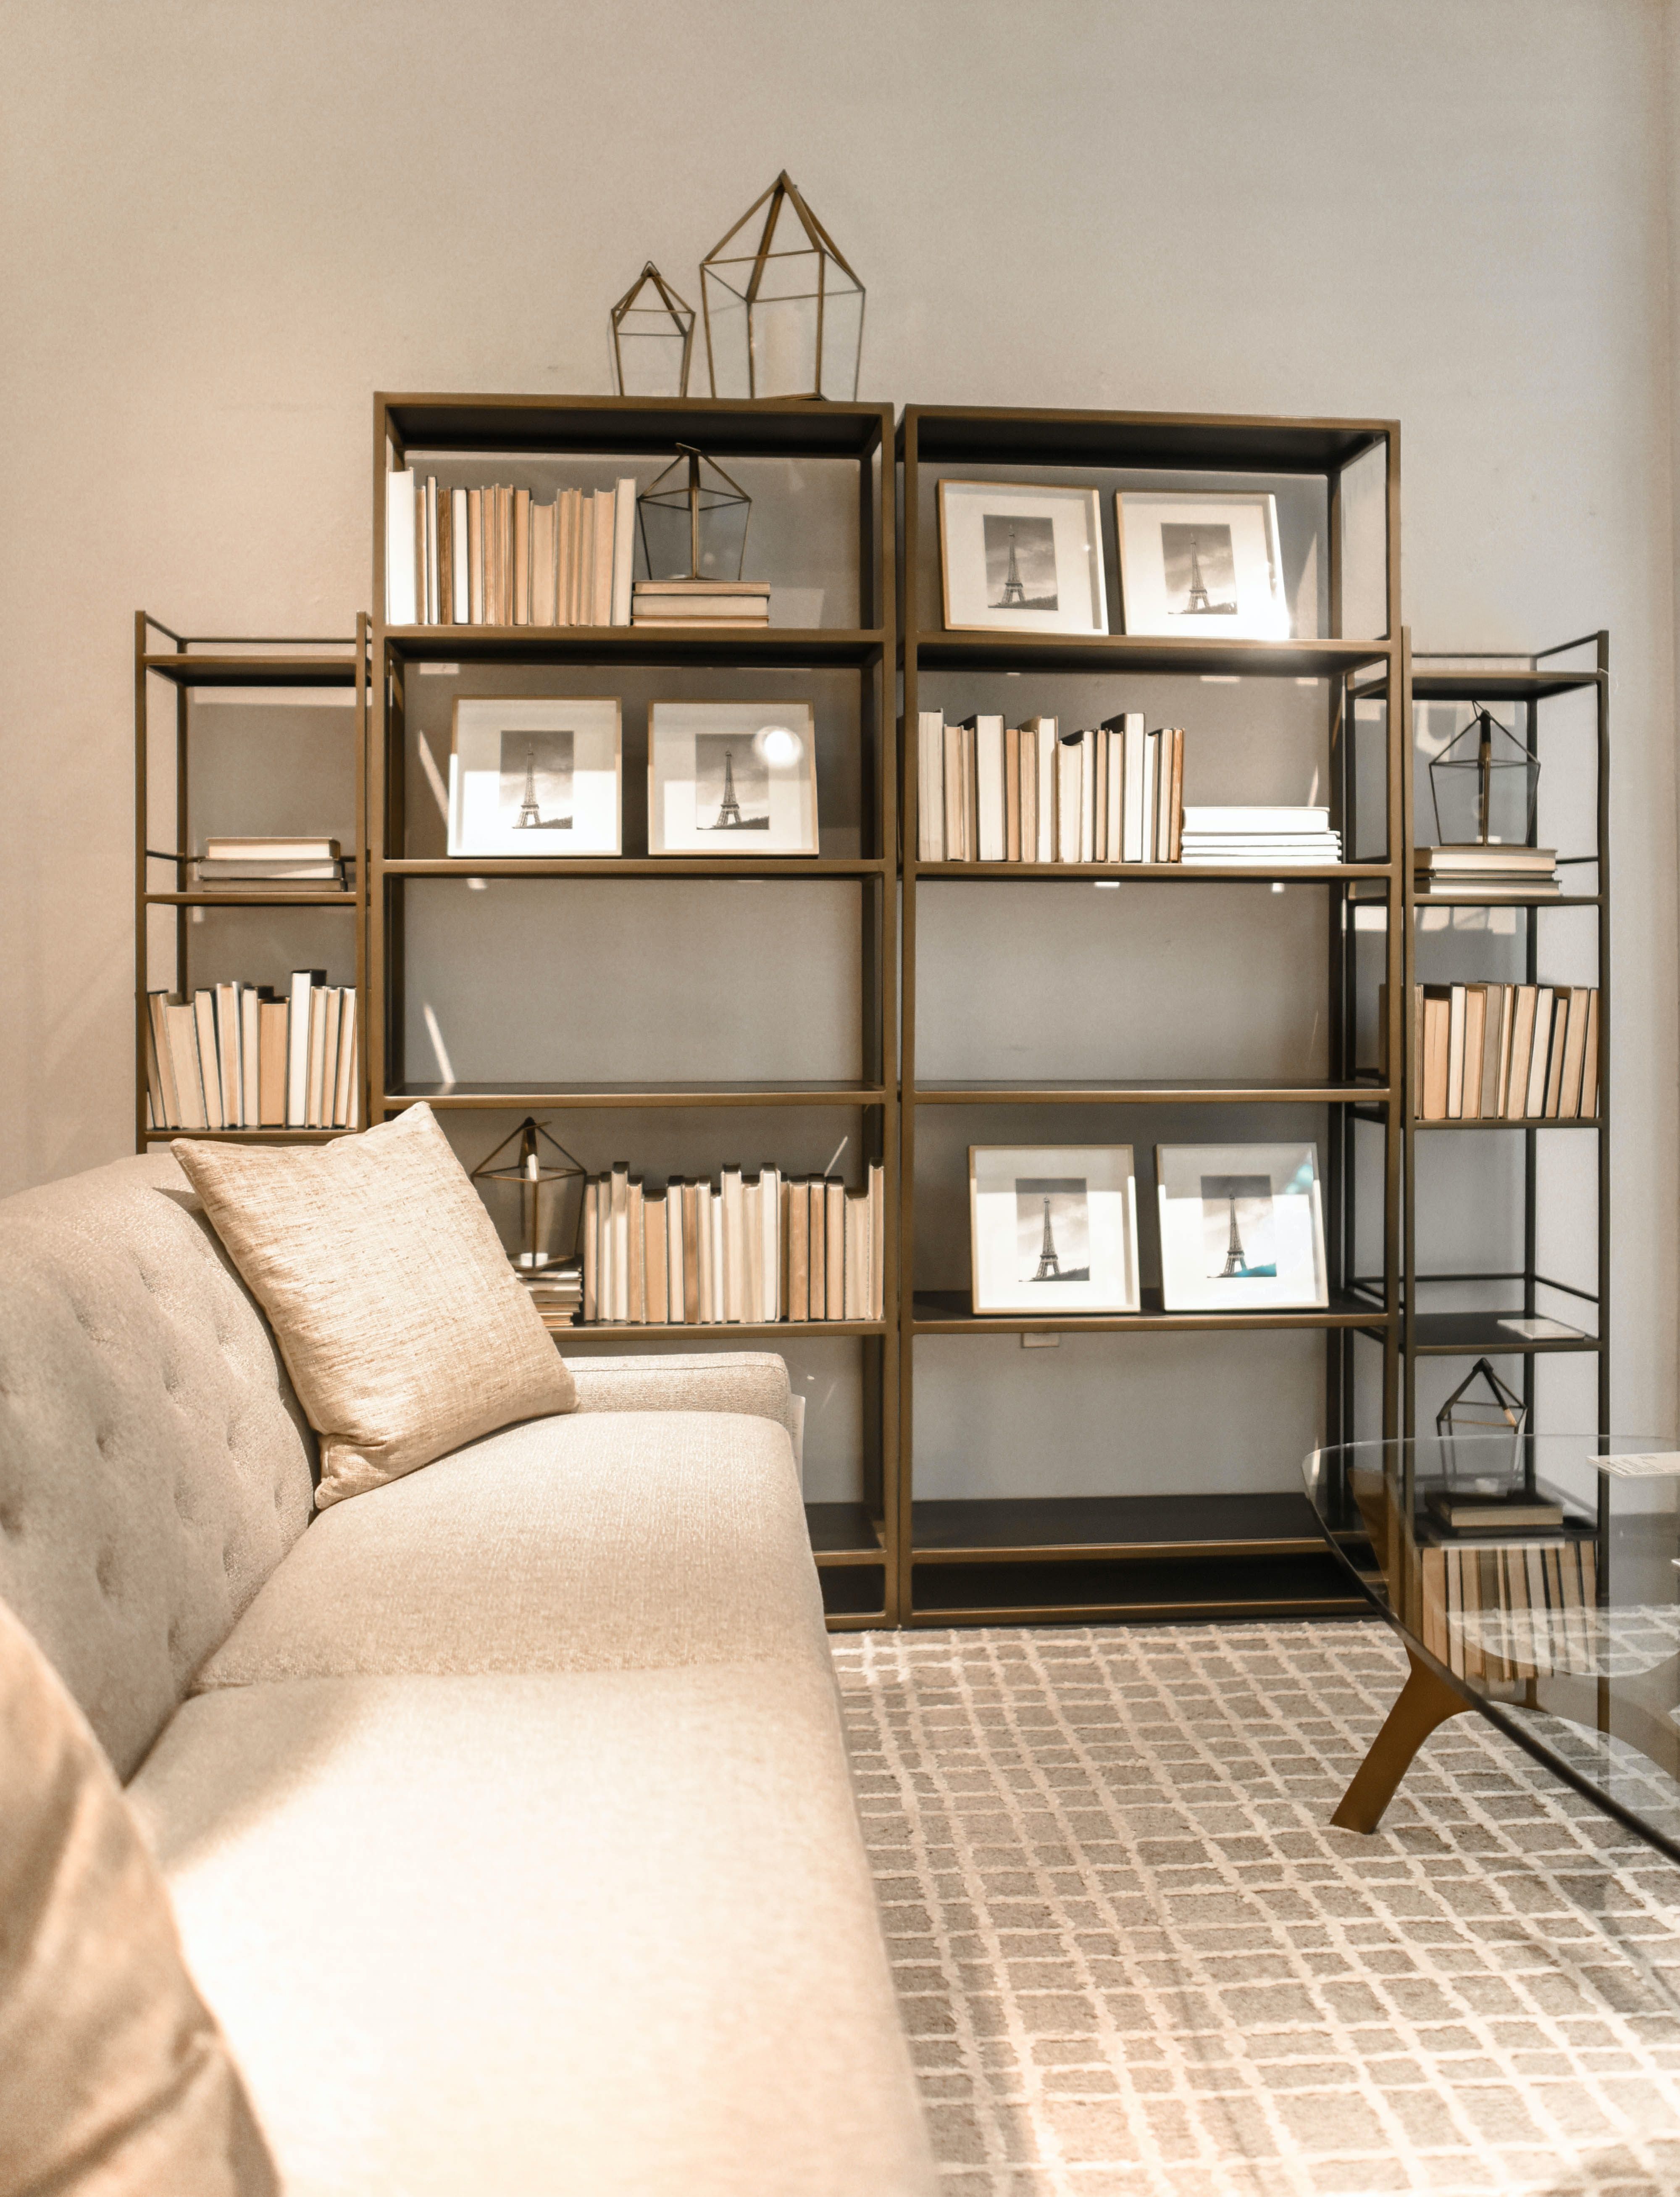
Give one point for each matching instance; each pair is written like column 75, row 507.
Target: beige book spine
column 600, row 611
column 878, row 1242
column 1539, row 1059
column 229, row 1057
column 1437, row 1007
column 654, row 1299
column 834, row 1247
column 582, row 595
column 734, row 1245
column 635, row 1305
column 856, row 1283
column 273, row 1046
column 720, row 1311
column 1475, row 1024
column 798, row 1233
column 1589, row 1061
column 333, row 1020
column 752, row 1251
column 475, row 556
column 953, row 793
column 1522, row 1047
column 1554, row 1092
column 522, row 557
column 816, row 1250
column 1011, row 793
column 250, row 1053
column 676, row 1309
column 592, row 1225
column 621, row 1240
column 1029, row 793
column 317, row 1057
column 210, row 1067
column 692, row 1192
column 344, row 1098
column 1176, row 849
column 770, row 1244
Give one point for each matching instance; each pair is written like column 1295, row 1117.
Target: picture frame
column 1053, row 1228
column 734, row 778
column 1201, row 566
column 535, row 777
column 1018, row 558
column 1242, row 1227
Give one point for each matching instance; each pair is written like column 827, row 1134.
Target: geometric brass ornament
column 695, row 527
column 1500, row 1411
column 784, row 311
column 538, row 1227
column 1485, row 785
column 653, row 338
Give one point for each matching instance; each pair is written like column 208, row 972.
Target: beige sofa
column 505, row 1809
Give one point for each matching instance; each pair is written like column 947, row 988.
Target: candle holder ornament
column 652, row 339
column 533, row 1207
column 1485, row 785
column 694, row 520
column 1498, row 1410
column 783, row 309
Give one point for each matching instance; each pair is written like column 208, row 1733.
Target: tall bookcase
column 179, row 671
column 681, row 1013
column 1129, row 1542
column 1558, row 703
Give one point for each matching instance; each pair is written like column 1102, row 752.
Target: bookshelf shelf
column 479, row 1096
column 1098, row 1589
column 1520, row 1121
column 1085, row 873
column 1151, row 1094
column 1033, row 1528
column 334, row 899
column 844, row 1533
column 249, row 1136
column 750, row 1330
column 182, row 669
column 527, row 868
column 1478, row 1334
column 949, row 1311
column 750, row 647
column 1135, row 655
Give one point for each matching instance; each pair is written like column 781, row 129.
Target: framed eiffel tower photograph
column 535, row 777
column 1208, row 567
column 732, row 778
column 1054, row 1228
column 1241, row 1224
column 1017, row 558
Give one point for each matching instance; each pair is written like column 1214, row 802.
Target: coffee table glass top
column 1543, row 1578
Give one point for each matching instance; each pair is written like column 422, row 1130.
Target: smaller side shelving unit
column 176, row 669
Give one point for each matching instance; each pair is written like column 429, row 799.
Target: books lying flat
column 1248, row 822
column 992, row 793
column 1511, row 1053
column 235, row 1056
column 271, row 850
column 700, row 602
column 495, row 556
column 1515, row 873
column 1518, row 1512
column 1260, row 836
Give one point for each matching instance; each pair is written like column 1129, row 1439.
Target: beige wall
column 223, row 226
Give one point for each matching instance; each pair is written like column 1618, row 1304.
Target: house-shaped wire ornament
column 1499, row 1410
column 1485, row 785
column 693, row 521
column 652, row 339
column 784, row 311
column 533, row 1208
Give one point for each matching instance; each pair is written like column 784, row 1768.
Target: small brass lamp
column 1485, row 786
column 653, row 338
column 784, row 311
column 694, row 520
column 1498, row 1410
column 532, row 1210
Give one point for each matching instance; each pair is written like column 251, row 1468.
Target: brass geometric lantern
column 1486, row 785
column 653, row 338
column 1499, row 1410
column 531, row 1215
column 693, row 522
column 784, row 311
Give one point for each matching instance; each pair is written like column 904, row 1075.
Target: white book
column 877, row 1241
column 752, row 1251
column 930, row 787
column 1069, row 796
column 1132, row 733
column 157, row 1005
column 399, row 548
column 210, row 1067
column 333, row 1018
column 734, row 1244
column 344, row 1093
column 989, row 763
column 1457, row 1005
column 1115, row 750
column 1151, row 744
column 303, row 982
column 180, row 1016
column 720, row 1299
column 434, row 608
column 621, row 1242
column 1045, row 729
column 230, row 1054
column 1088, row 798
column 705, row 1217
column 1539, row 1056
column 623, row 549
column 770, row 1244
column 320, row 997
column 459, row 576
column 250, row 1025
column 676, row 1312
column 1283, row 822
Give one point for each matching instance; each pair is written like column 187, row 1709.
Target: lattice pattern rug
column 1133, row 1956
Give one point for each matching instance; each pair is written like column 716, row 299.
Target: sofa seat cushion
column 595, row 1541
column 585, row 1934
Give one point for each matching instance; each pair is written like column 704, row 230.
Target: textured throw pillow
column 403, row 1327
column 114, row 2079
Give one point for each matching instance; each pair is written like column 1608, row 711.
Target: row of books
column 1510, row 1052
column 1260, row 838
column 988, row 793
column 271, row 864
column 1514, row 1611
column 746, row 1248
column 235, row 1056
column 495, row 556
column 1472, row 873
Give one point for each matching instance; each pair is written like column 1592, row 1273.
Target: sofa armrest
column 754, row 1381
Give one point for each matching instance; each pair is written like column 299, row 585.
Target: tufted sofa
column 504, row 1809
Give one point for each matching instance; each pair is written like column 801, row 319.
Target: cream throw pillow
column 403, row 1327
column 115, row 2080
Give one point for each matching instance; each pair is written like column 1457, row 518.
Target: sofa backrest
column 154, row 1465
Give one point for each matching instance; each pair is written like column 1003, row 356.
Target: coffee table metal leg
column 1425, row 1702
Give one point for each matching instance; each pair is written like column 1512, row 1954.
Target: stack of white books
column 1474, row 872
column 1262, row 839
column 700, row 603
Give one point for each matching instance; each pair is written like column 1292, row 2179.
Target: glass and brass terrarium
column 784, row 311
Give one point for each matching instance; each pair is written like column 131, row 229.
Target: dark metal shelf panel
column 1506, row 899
column 1476, row 1334
column 612, row 426
column 1513, row 686
column 1160, row 1092
column 634, row 865
column 1113, row 1526
column 1266, row 1583
column 844, row 1533
column 1186, row 442
column 252, row 1136
column 748, row 647
column 531, row 1095
column 231, row 899
column 255, row 670
column 948, row 1312
column 1521, row 1121
column 1077, row 873
column 1137, row 654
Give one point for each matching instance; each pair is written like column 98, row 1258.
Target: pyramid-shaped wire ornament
column 1484, row 784
column 652, row 339
column 1465, row 1415
column 783, row 309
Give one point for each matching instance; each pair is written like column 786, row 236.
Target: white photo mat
column 537, row 777
column 736, row 778
column 1039, row 1211
column 1242, row 1227
column 1202, row 567
column 1017, row 558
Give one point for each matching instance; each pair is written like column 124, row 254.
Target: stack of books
column 700, row 603
column 747, row 1248
column 988, row 793
column 1510, row 1053
column 1474, row 872
column 558, row 1291
column 268, row 866
column 234, row 1057
column 495, row 556
column 1263, row 838
column 1522, row 1609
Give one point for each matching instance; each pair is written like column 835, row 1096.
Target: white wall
column 221, row 227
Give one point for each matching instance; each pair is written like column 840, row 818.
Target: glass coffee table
column 1531, row 1579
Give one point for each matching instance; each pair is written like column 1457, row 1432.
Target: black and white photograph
column 1020, row 562
column 537, row 777
column 732, row 778
column 536, row 780
column 1242, row 1227
column 732, row 784
column 1052, row 1220
column 1017, row 558
column 1207, row 564
column 1054, row 1228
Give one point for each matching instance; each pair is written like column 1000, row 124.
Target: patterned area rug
column 1133, row 1956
